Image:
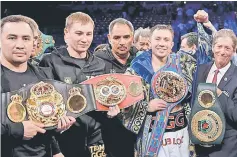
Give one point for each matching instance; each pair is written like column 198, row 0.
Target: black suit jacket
column 228, row 101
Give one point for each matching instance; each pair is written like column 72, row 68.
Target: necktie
column 215, row 76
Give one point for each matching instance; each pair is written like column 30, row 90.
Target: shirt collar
column 222, row 70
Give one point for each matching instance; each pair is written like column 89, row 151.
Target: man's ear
column 194, row 47
column 132, row 37
column 212, row 48
column 65, row 35
column 109, row 38
column 65, row 31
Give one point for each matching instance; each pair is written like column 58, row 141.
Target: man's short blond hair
column 225, row 33
column 78, row 17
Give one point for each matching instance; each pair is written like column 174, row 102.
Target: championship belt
column 43, row 42
column 170, row 85
column 207, row 124
column 47, row 101
column 116, row 89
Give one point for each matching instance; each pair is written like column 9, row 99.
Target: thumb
column 72, row 119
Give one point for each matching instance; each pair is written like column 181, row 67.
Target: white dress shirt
column 221, row 73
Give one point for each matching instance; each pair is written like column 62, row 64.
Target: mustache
column 122, row 47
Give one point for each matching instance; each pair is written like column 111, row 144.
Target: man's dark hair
column 16, row 18
column 192, row 38
column 162, row 27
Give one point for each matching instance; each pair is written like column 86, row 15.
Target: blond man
column 74, row 64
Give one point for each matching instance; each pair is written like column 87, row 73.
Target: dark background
column 51, row 15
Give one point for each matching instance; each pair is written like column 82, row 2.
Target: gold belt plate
column 45, row 104
column 15, row 110
column 170, row 86
column 110, row 91
column 206, row 125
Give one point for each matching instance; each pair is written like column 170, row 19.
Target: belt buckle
column 116, row 89
column 170, row 86
column 110, row 91
column 45, row 104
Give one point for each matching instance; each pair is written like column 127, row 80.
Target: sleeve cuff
column 55, row 146
column 17, row 130
column 207, row 30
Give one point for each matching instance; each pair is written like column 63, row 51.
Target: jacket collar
column 225, row 79
column 209, row 65
column 64, row 55
column 112, row 59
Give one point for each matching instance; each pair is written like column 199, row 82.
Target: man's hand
column 219, row 92
column 201, row 16
column 113, row 111
column 58, row 155
column 32, row 128
column 65, row 123
column 156, row 105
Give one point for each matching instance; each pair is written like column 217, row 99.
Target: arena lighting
column 184, row 2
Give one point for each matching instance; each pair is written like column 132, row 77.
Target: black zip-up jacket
column 65, row 68
column 112, row 65
column 86, row 131
column 119, row 142
column 42, row 145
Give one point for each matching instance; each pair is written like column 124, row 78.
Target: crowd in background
column 141, row 14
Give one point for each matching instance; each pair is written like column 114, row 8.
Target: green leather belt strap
column 207, row 123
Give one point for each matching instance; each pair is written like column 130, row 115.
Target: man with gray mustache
column 117, row 57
